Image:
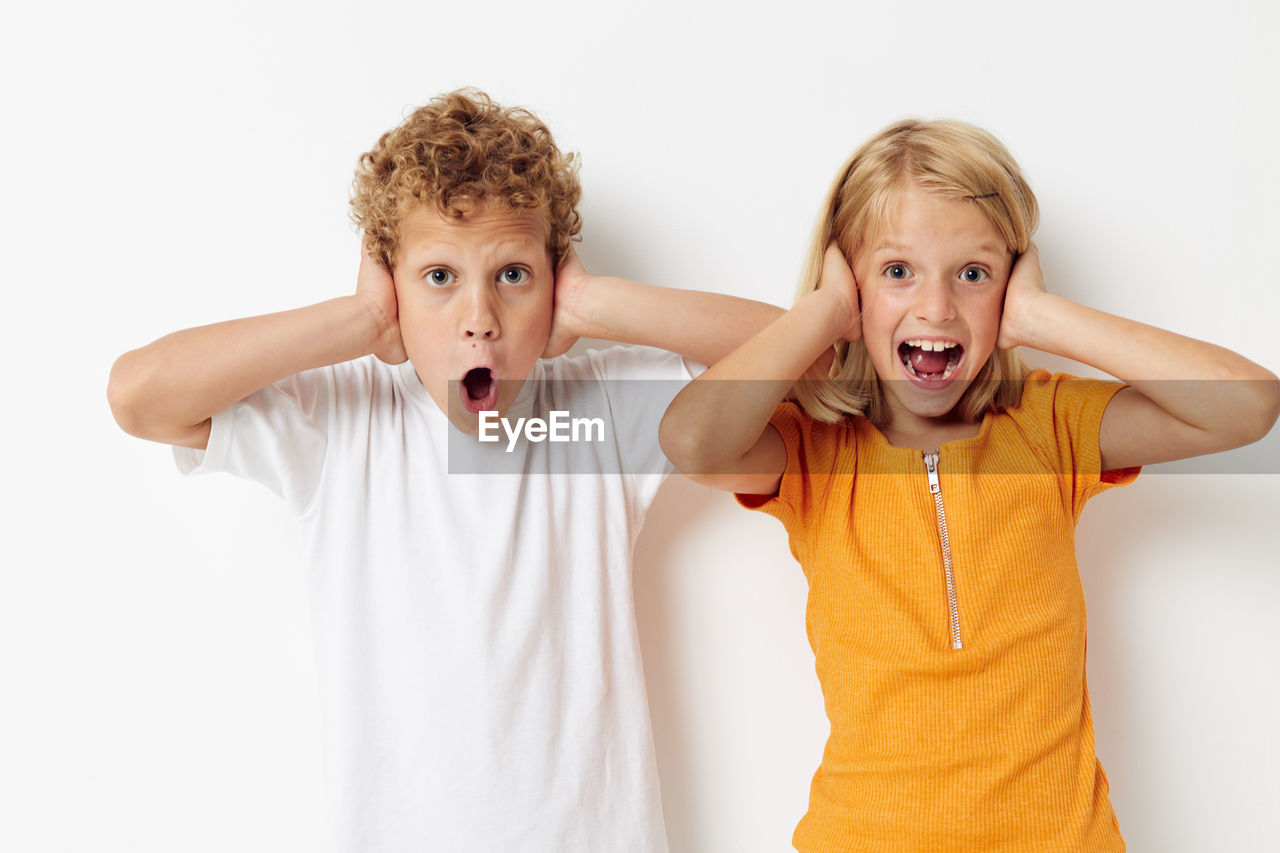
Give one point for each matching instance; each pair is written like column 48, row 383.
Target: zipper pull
column 931, row 466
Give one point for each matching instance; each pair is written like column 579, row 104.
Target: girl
column 930, row 488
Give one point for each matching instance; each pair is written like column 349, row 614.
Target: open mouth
column 928, row 360
column 478, row 390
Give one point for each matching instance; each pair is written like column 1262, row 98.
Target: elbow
column 123, row 394
column 141, row 394
column 1269, row 405
column 674, row 440
column 131, row 397
column 684, row 444
column 1257, row 412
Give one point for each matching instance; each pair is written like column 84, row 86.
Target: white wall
column 169, row 166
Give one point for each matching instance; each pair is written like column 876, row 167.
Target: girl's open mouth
column 478, row 390
column 930, row 361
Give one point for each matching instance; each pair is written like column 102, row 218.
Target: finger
column 570, row 262
column 835, row 268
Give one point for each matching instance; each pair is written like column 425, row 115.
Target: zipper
column 935, row 488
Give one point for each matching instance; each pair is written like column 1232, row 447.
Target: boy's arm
column 1187, row 397
column 702, row 327
column 717, row 429
column 169, row 390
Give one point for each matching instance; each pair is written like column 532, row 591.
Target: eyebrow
column 519, row 244
column 988, row 248
column 507, row 248
column 991, row 248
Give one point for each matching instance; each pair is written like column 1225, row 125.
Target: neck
column 927, row 433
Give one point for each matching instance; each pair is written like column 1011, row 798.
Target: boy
column 479, row 663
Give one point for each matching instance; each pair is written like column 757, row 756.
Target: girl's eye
column 440, row 277
column 897, row 272
column 514, row 275
column 973, row 275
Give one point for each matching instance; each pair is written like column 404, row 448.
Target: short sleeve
column 277, row 436
column 640, row 383
column 1067, row 413
column 813, row 451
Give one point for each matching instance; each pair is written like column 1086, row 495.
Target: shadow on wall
column 680, row 511
column 1182, row 589
column 737, row 710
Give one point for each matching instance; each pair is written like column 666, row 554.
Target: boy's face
column 475, row 303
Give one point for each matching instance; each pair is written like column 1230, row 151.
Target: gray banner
column 611, row 427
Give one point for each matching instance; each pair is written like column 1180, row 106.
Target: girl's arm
column 1187, row 397
column 717, row 430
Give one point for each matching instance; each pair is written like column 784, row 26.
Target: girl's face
column 932, row 284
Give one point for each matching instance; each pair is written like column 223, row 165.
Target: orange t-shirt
column 984, row 747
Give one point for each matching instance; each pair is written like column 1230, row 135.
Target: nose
column 935, row 303
column 479, row 318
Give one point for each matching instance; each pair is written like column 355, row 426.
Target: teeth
column 931, row 346
column 952, row 360
column 946, row 374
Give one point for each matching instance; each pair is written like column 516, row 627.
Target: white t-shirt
column 475, row 631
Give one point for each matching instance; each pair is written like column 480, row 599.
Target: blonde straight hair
column 954, row 160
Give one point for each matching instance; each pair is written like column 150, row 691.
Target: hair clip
column 988, row 195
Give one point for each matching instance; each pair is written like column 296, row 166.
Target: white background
column 168, row 165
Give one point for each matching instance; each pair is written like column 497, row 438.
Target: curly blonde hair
column 954, row 160
column 460, row 149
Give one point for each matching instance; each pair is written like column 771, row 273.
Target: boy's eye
column 514, row 275
column 974, row 275
column 897, row 271
column 440, row 277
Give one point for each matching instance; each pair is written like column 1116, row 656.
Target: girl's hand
column 1026, row 285
column 837, row 278
column 572, row 281
column 375, row 286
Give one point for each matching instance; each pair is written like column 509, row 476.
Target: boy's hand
column 375, row 285
column 1026, row 285
column 837, row 278
column 567, row 323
